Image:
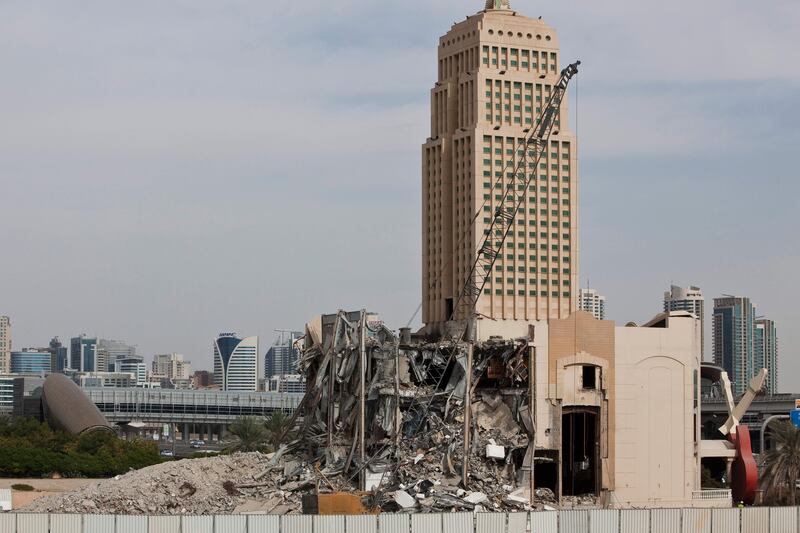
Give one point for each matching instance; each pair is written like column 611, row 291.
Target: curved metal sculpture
column 744, row 471
column 66, row 407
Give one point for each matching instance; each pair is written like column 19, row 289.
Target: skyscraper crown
column 497, row 4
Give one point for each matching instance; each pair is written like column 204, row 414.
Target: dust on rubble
column 191, row 486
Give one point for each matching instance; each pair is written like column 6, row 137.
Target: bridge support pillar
column 728, row 471
column 185, row 433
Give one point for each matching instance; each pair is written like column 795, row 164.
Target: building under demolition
column 576, row 410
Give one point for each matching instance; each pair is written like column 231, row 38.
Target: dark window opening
column 545, row 470
column 580, row 461
column 713, row 473
column 589, row 377
column 448, row 308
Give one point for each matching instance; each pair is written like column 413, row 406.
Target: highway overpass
column 202, row 414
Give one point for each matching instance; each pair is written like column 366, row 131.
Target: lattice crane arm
column 536, row 144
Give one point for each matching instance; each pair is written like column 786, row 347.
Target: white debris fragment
column 403, row 499
column 494, row 451
column 519, row 496
column 476, row 498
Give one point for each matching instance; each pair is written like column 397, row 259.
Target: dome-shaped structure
column 497, row 4
column 66, row 407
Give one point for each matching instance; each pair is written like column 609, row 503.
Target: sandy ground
column 44, row 487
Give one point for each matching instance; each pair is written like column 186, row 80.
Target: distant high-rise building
column 5, row 345
column 236, row 362
column 83, row 354
column 496, row 72
column 58, row 355
column 733, row 331
column 105, row 379
column 30, row 361
column 112, row 350
column 132, row 365
column 766, row 351
column 171, row 366
column 688, row 299
column 282, row 357
column 286, row 383
column 592, row 301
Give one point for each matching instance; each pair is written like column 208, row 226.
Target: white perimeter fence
column 750, row 520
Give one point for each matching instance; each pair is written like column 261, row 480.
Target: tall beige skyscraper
column 496, row 72
column 5, row 345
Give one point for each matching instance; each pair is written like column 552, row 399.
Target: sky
column 171, row 170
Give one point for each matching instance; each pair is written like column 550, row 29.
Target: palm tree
column 276, row 426
column 249, row 434
column 782, row 463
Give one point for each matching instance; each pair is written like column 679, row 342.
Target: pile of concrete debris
column 408, row 424
column 386, row 414
column 224, row 484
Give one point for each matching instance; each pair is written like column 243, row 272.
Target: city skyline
column 205, row 140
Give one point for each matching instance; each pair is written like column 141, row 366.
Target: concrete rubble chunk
column 403, row 499
column 476, row 498
column 493, row 451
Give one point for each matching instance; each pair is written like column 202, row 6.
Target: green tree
column 248, row 434
column 29, row 448
column 782, row 464
column 277, row 426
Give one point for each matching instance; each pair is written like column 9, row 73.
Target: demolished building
column 574, row 411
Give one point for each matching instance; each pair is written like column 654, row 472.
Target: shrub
column 22, row 487
column 29, row 448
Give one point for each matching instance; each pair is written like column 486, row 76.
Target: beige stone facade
column 615, row 407
column 496, row 72
column 657, row 414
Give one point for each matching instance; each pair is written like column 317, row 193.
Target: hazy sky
column 173, row 169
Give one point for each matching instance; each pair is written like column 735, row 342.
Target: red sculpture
column 744, row 472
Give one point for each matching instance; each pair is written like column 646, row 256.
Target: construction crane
column 513, row 196
column 535, row 145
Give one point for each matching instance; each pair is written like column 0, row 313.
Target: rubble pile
column 384, row 417
column 414, row 394
column 191, row 486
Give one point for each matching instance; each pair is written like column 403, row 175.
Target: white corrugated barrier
column 755, row 519
column 725, row 520
column 574, row 521
column 665, row 521
column 783, row 520
column 634, row 521
column 603, row 521
column 264, row 524
column 697, row 520
column 517, row 522
column 748, row 520
column 230, row 524
column 490, row 523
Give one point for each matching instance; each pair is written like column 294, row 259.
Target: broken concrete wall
column 413, row 403
column 574, row 343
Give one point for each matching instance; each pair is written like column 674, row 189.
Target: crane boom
column 535, row 145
